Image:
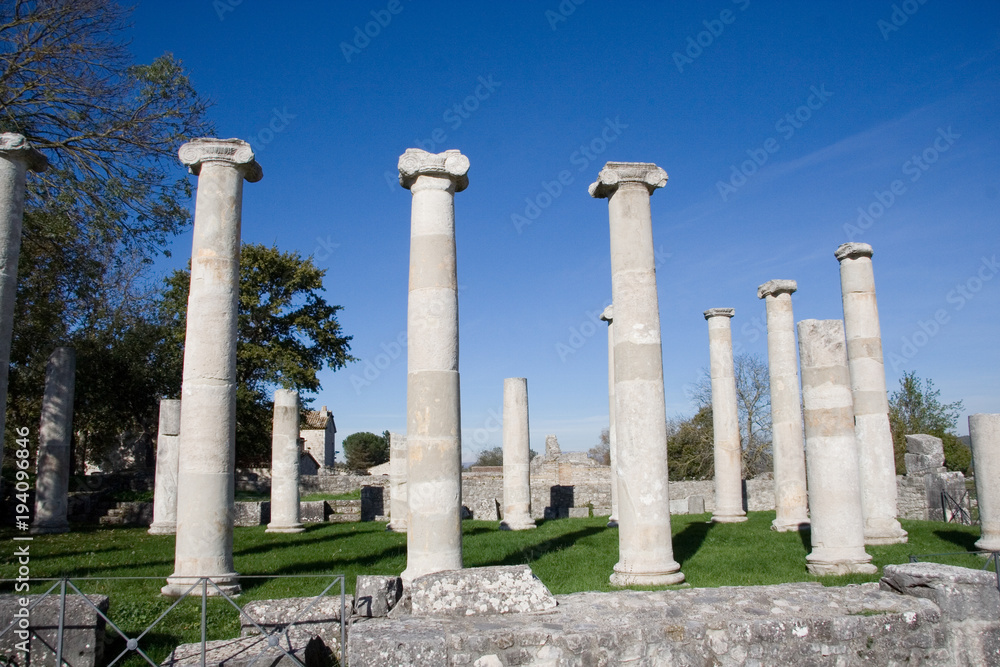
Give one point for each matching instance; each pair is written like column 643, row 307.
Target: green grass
column 350, row 495
column 568, row 555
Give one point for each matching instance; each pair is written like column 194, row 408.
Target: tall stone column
column 788, row 451
column 838, row 538
column 433, row 415
column 16, row 158
column 399, row 507
column 165, row 482
column 54, row 437
column 205, row 484
column 516, row 447
column 984, row 430
column 645, row 550
column 608, row 316
column 725, row 419
column 871, row 403
column 285, row 464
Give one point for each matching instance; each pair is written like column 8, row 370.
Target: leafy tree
column 690, row 445
column 490, row 457
column 364, row 450
column 916, row 408
column 286, row 334
column 601, row 452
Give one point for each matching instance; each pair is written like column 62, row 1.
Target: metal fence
column 961, row 510
column 203, row 587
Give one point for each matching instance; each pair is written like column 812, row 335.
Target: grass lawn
column 568, row 555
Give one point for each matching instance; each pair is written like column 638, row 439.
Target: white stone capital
column 776, row 287
column 13, row 145
column 609, row 314
column 615, row 174
column 853, row 250
column 234, row 152
column 719, row 312
column 449, row 164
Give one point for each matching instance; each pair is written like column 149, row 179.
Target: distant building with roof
column 318, row 435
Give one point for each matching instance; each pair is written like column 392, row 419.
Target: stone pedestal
column 838, row 539
column 285, row 464
column 16, row 158
column 608, row 316
column 871, row 403
column 984, row 430
column 725, row 419
column 54, row 436
column 204, row 544
column 788, row 450
column 165, row 482
column 433, row 419
column 516, row 446
column 644, row 542
column 398, row 506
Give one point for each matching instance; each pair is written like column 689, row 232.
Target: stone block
column 377, row 595
column 679, row 506
column 579, row 512
column 480, row 591
column 312, row 618
column 961, row 593
column 251, row 513
column 696, row 504
column 921, row 464
column 312, row 511
column 254, row 651
column 601, row 511
column 83, row 630
column 952, row 483
column 924, row 444
column 372, row 502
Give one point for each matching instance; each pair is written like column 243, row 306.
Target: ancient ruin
column 204, row 543
column 399, row 507
column 516, row 447
column 871, row 403
column 165, row 480
column 644, row 541
column 725, row 422
column 285, row 464
column 433, row 422
column 984, row 430
column 54, row 436
column 787, row 446
column 837, row 531
column 608, row 316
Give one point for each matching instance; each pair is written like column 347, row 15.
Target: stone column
column 54, row 437
column 165, row 482
column 433, row 417
column 984, row 430
column 399, row 508
column 644, row 543
column 16, row 158
column 205, row 484
column 608, row 316
column 838, row 538
column 788, row 452
column 285, row 455
column 871, row 403
column 516, row 446
column 725, row 419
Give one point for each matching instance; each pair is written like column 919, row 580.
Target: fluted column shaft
column 165, row 481
column 608, row 316
column 516, row 446
column 285, row 453
column 984, row 430
column 838, row 539
column 788, row 450
column 644, row 542
column 725, row 419
column 871, row 403
column 54, row 437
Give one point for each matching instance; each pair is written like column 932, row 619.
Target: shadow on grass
column 964, row 540
column 687, row 542
column 805, row 535
column 535, row 551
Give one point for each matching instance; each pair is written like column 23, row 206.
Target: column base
column 398, row 528
column 526, row 523
column 988, row 543
column 729, row 518
column 665, row 578
column 177, row 585
column 612, row 523
column 162, row 528
column 788, row 526
column 50, row 528
column 886, row 531
column 291, row 528
column 840, row 568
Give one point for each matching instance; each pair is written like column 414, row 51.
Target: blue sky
column 780, row 126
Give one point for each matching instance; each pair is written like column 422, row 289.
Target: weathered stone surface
column 285, row 508
column 251, row 513
column 579, row 512
column 255, row 651
column 54, row 435
column 960, row 593
column 921, row 443
column 789, row 624
column 984, row 430
column 376, row 595
column 696, row 505
column 165, row 489
column 312, row 511
column 480, row 591
column 312, row 618
column 83, row 633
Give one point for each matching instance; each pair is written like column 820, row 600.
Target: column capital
column 776, row 287
column 719, row 312
column 450, row 164
column 16, row 146
column 853, row 250
column 235, row 152
column 616, row 173
column 609, row 314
